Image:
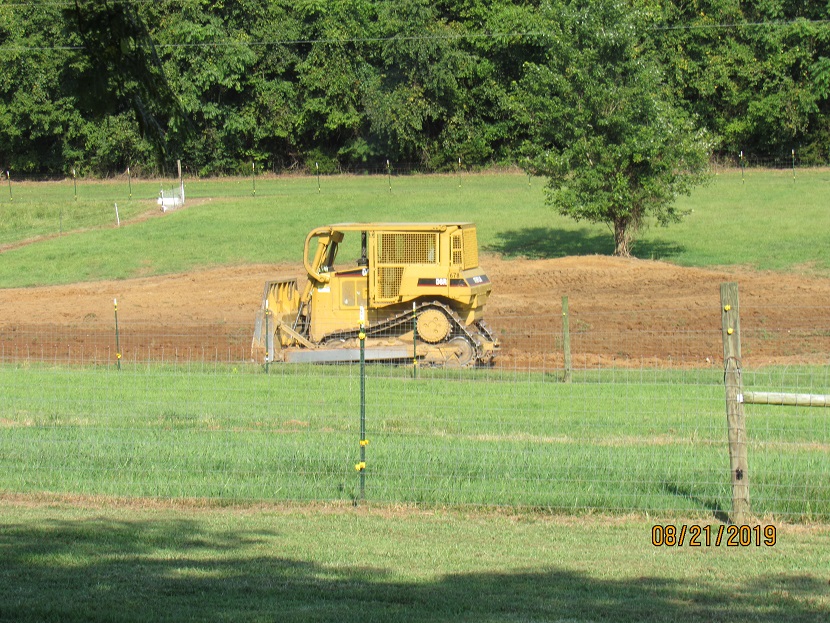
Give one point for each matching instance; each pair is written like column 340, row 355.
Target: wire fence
column 641, row 426
column 787, row 159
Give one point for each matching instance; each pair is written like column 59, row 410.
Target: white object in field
column 171, row 203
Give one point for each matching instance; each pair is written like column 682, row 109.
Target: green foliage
column 113, row 144
column 754, row 72
column 41, row 128
column 420, row 83
column 603, row 129
column 117, row 69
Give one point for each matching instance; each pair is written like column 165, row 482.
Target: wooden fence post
column 566, row 339
column 736, row 423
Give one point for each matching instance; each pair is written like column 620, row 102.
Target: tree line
column 347, row 84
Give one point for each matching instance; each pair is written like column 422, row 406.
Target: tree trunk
column 622, row 238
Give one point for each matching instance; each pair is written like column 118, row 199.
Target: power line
column 436, row 37
column 774, row 24
column 678, row 27
column 71, row 3
column 242, row 43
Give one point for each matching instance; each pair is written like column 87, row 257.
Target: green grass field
column 106, row 560
column 758, row 223
column 648, row 441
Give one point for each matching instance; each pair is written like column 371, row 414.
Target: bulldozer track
column 384, row 328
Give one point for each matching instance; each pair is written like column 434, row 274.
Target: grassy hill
column 765, row 219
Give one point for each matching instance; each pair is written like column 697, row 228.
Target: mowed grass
column 111, row 560
column 652, row 441
column 766, row 221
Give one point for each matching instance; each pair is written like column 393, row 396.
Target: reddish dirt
column 622, row 311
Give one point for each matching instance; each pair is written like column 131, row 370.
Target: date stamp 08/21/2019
column 693, row 535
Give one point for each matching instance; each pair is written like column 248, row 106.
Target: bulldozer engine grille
column 407, row 248
column 389, row 281
column 470, row 249
column 465, row 249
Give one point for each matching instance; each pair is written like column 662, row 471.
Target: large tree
column 605, row 129
column 116, row 69
column 41, row 129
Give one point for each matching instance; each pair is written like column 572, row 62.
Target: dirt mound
column 622, row 309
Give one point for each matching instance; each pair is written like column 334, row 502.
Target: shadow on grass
column 709, row 504
column 105, row 570
column 547, row 243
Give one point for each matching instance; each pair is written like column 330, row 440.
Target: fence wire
column 641, row 426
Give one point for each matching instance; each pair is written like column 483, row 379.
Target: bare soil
column 622, row 311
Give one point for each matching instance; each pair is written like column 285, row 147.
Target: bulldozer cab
column 384, row 254
column 346, row 281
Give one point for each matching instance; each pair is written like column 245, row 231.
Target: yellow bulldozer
column 415, row 288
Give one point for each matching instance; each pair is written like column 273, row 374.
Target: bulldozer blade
column 282, row 294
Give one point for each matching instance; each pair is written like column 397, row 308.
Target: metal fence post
column 414, row 342
column 267, row 337
column 566, row 339
column 361, row 466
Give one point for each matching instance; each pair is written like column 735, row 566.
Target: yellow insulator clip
column 359, row 467
column 364, row 443
column 118, row 355
column 727, row 307
column 730, row 331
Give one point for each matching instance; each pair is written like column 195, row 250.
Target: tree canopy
column 103, row 85
column 604, row 128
